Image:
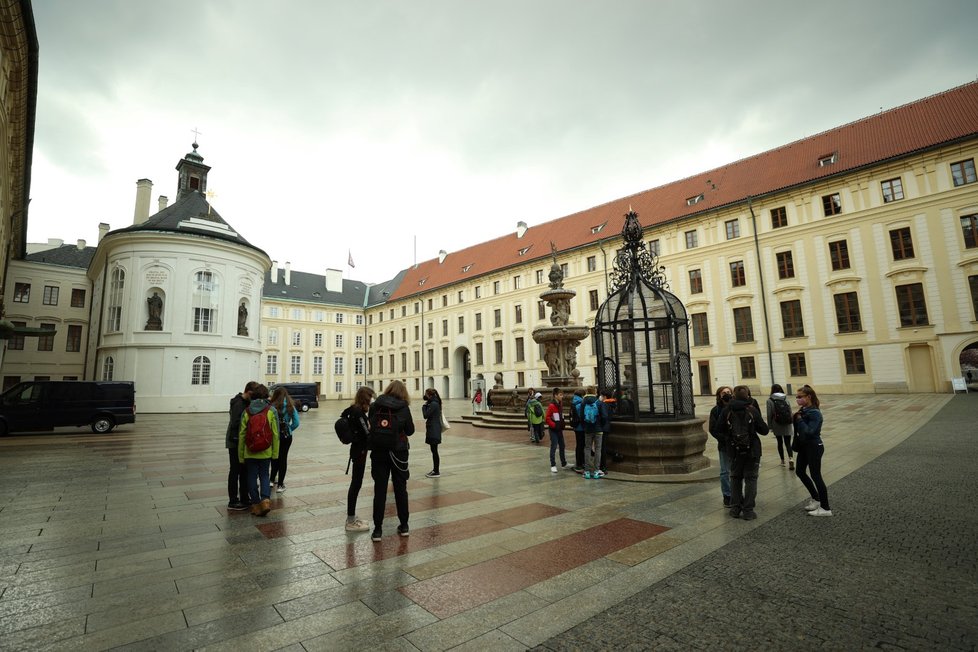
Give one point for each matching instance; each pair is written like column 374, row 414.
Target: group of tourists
column 736, row 421
column 590, row 419
column 258, row 439
column 261, row 427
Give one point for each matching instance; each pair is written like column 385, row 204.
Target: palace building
column 847, row 260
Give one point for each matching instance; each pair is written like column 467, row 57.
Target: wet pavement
column 124, row 541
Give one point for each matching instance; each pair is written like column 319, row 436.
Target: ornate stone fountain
column 560, row 340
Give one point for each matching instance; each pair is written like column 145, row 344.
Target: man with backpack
column 741, row 423
column 237, row 472
column 577, row 423
column 258, row 445
column 594, row 415
column 535, row 417
column 782, row 424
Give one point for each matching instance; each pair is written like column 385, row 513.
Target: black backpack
column 383, row 428
column 575, row 419
column 740, row 427
column 782, row 411
column 344, row 431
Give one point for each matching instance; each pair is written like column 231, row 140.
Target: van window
column 27, row 394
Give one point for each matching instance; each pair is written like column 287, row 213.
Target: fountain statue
column 560, row 340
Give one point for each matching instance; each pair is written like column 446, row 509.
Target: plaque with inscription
column 156, row 276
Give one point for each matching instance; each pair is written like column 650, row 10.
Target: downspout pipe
column 760, row 275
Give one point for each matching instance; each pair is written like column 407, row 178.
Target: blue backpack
column 591, row 412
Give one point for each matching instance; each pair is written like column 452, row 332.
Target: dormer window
column 523, row 251
column 598, row 228
column 466, row 268
column 694, row 200
column 828, row 159
column 422, row 281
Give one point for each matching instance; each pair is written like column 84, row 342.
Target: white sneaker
column 281, row 488
column 553, row 469
column 357, row 526
column 811, row 505
column 818, row 511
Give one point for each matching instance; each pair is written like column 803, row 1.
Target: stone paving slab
column 123, row 541
column 895, row 568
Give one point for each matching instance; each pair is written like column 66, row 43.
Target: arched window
column 116, row 287
column 205, row 300
column 201, row 372
column 108, row 368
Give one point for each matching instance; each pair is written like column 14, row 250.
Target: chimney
column 144, row 188
column 274, row 271
column 288, row 273
column 334, row 280
column 442, row 255
column 163, row 201
column 103, row 228
column 520, row 229
column 81, row 245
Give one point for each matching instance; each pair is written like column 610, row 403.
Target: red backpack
column 259, row 434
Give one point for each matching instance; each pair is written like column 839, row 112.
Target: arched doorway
column 968, row 360
column 461, row 372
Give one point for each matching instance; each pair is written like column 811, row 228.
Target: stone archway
column 461, row 372
column 968, row 361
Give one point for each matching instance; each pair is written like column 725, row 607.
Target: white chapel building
column 176, row 301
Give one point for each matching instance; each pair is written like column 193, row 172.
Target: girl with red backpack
column 258, row 445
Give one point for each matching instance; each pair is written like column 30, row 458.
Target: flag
column 349, row 260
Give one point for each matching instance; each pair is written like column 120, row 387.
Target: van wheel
column 305, row 407
column 102, row 424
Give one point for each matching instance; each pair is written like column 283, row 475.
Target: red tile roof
column 905, row 130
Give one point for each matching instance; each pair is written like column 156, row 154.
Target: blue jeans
column 258, row 489
column 557, row 441
column 724, row 473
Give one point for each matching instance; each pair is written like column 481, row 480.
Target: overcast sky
column 363, row 125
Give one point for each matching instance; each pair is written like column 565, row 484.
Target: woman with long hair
column 782, row 430
column 717, row 429
column 431, row 411
column 356, row 415
column 391, row 424
column 288, row 422
column 808, row 429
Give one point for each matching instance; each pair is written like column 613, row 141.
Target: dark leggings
column 435, row 459
column 388, row 466
column 281, row 465
column 579, row 449
column 784, row 445
column 359, row 458
column 237, row 479
column 810, row 457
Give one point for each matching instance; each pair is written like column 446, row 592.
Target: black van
column 304, row 395
column 46, row 404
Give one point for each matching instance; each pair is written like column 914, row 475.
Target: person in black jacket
column 745, row 465
column 431, row 411
column 238, row 499
column 390, row 462
column 356, row 415
column 724, row 394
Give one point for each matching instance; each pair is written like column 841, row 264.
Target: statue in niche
column 560, row 312
column 155, row 306
column 242, row 319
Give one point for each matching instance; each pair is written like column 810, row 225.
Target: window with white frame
column 358, row 319
column 358, row 342
column 338, row 366
column 358, row 366
column 339, row 318
column 317, row 365
column 295, row 367
column 108, row 368
column 200, row 373
column 116, row 287
column 297, row 314
column 273, row 311
column 319, row 315
column 317, row 339
column 271, row 364
column 50, row 297
column 338, row 386
column 338, row 341
column 205, row 298
column 296, row 338
column 273, row 336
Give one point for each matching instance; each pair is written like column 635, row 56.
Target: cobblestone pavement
column 895, row 569
column 123, row 541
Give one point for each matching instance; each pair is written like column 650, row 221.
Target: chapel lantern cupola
column 192, row 174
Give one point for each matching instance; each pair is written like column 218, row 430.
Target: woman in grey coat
column 782, row 431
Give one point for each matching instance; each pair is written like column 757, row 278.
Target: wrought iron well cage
column 641, row 337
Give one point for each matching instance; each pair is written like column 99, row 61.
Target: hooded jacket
column 577, row 404
column 760, row 428
column 431, row 411
column 237, row 406
column 405, row 422
column 531, row 415
column 779, row 429
column 601, row 424
column 256, row 406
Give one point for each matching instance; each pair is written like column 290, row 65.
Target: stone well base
column 658, row 448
